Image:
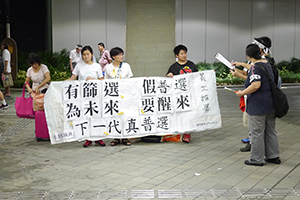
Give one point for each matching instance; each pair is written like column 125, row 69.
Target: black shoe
column 4, row 106
column 274, row 160
column 246, row 148
column 247, row 162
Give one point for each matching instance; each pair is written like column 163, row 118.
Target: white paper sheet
column 223, row 60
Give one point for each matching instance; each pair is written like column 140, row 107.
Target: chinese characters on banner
column 128, row 108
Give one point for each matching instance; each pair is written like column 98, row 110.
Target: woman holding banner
column 118, row 70
column 181, row 66
column 260, row 107
column 88, row 70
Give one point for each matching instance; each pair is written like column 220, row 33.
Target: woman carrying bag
column 261, row 110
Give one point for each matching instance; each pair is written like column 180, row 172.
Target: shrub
column 293, row 65
column 58, row 60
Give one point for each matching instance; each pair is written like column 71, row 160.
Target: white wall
column 204, row 26
column 227, row 26
column 88, row 22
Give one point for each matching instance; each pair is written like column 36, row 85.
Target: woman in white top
column 38, row 73
column 88, row 70
column 118, row 70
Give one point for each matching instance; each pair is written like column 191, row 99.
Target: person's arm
column 5, row 66
column 238, row 73
column 27, row 85
column 242, row 64
column 90, row 78
column 250, row 89
column 73, row 77
column 45, row 81
column 71, row 66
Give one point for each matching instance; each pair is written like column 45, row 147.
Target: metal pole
column 7, row 19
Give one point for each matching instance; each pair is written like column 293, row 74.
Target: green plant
column 220, row 69
column 293, row 65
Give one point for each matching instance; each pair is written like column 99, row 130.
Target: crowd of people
column 259, row 115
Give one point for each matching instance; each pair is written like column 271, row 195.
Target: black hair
column 34, row 58
column 89, row 48
column 178, row 48
column 115, row 51
column 101, row 44
column 5, row 45
column 266, row 41
column 253, row 51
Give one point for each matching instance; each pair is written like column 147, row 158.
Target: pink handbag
column 23, row 106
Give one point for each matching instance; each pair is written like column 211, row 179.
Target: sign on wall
column 130, row 108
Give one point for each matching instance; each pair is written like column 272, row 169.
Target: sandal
column 186, row 138
column 126, row 142
column 115, row 142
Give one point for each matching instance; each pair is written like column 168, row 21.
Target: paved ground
column 210, row 167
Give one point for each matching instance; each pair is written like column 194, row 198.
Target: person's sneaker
column 246, row 148
column 247, row 140
column 274, row 160
column 247, row 162
column 87, row 143
column 4, row 106
column 100, row 142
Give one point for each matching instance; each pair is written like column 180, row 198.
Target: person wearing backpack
column 261, row 110
column 264, row 43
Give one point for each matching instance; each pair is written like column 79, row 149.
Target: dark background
column 28, row 23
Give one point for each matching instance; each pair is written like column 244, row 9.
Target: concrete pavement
column 210, row 167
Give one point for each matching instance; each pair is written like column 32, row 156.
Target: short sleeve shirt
column 76, row 57
column 38, row 77
column 6, row 57
column 260, row 102
column 122, row 72
column 84, row 70
column 177, row 68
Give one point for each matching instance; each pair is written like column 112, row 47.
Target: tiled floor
column 210, row 167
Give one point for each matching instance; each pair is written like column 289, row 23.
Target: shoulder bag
column 280, row 99
column 24, row 107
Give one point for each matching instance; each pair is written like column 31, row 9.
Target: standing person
column 118, row 70
column 261, row 110
column 88, row 70
column 105, row 57
column 75, row 57
column 182, row 66
column 264, row 43
column 38, row 73
column 7, row 68
column 4, row 105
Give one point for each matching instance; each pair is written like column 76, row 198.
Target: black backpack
column 271, row 60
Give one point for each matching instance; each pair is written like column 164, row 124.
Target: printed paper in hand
column 223, row 60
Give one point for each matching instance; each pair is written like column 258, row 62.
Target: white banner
column 130, row 108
